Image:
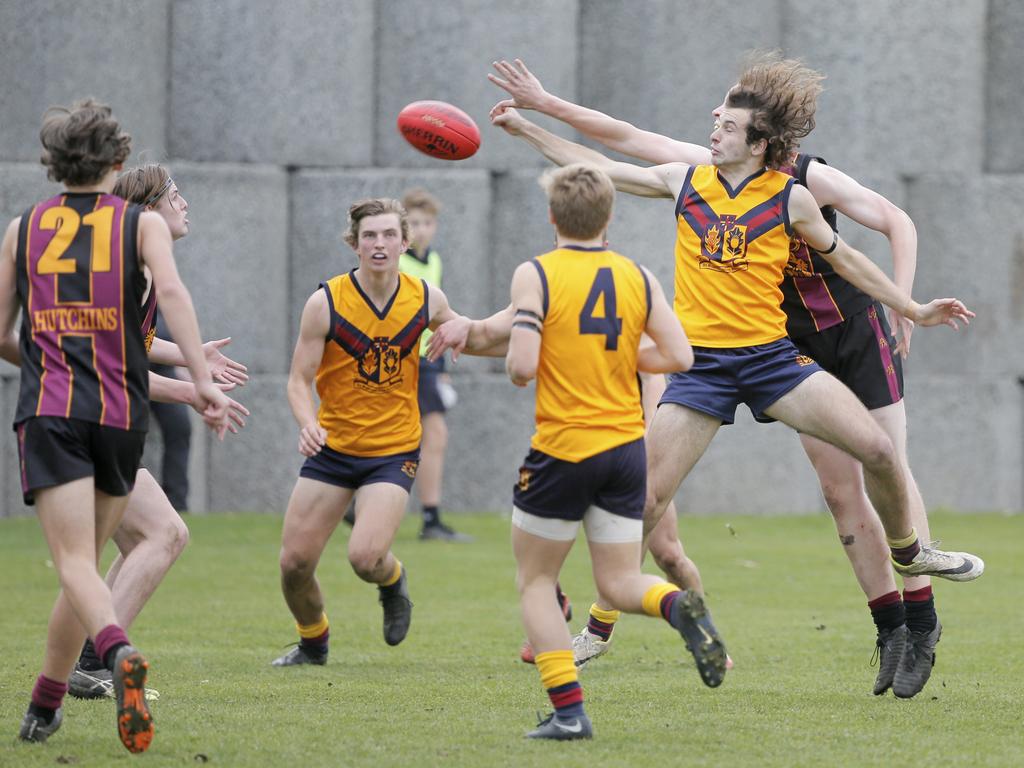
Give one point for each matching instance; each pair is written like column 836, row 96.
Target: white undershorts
column 600, row 525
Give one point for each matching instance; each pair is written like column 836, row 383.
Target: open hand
column 521, row 84
column 223, row 368
column 943, row 312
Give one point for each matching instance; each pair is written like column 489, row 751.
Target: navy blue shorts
column 861, row 353
column 614, row 480
column 721, row 379
column 427, row 393
column 330, row 466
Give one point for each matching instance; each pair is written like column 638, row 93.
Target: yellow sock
column 901, row 543
column 394, row 577
column 556, row 668
column 309, row 631
column 608, row 617
column 653, row 597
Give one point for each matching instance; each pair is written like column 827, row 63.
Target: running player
column 359, row 339
column 845, row 332
column 73, row 264
column 579, row 312
column 152, row 534
column 733, row 226
column 422, row 260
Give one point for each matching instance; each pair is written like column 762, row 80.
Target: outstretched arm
column 309, row 351
column 157, row 254
column 528, row 93
column 657, row 181
column 164, row 389
column 870, row 209
column 854, row 266
column 487, row 337
column 222, row 367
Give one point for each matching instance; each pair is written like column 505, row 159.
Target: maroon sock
column 887, row 611
column 108, row 640
column 48, row 694
column 318, row 643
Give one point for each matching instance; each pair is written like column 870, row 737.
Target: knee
column 879, row 455
column 175, row 536
column 365, row 561
column 668, row 555
column 296, row 567
column 840, row 496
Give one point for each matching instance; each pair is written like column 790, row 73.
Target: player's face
column 729, row 138
column 422, row 228
column 380, row 242
column 174, row 208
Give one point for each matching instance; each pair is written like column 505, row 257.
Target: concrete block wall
column 274, row 117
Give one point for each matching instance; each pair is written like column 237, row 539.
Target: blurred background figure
column 436, row 393
column 176, row 430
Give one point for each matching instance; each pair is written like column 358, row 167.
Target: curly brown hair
column 82, row 142
column 373, row 207
column 781, row 95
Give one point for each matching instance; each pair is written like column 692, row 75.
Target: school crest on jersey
column 723, row 247
column 380, row 367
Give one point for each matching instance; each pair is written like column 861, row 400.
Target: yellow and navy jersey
column 426, row 267
column 80, row 285
column 731, row 248
column 596, row 304
column 815, row 297
column 370, row 370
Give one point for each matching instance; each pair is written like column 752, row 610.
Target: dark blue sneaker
column 916, row 662
column 397, row 610
column 301, row 655
column 888, row 652
column 693, row 621
column 35, row 728
column 562, row 728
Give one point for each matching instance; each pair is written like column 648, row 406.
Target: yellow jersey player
column 579, row 312
column 359, row 339
column 734, row 222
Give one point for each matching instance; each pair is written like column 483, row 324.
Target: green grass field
column 456, row 694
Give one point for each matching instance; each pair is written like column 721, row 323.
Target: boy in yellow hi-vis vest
column 435, row 393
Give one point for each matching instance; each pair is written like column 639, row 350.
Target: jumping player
column 733, row 228
column 845, row 331
column 73, row 264
column 359, row 338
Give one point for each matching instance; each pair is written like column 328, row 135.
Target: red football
column 440, row 130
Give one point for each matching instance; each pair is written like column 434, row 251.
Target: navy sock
column 431, row 516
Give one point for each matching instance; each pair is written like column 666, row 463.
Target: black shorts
column 54, row 451
column 614, row 480
column 341, row 469
column 427, row 393
column 860, row 352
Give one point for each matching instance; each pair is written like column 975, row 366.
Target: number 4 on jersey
column 609, row 325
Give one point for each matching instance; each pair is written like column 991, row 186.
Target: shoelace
column 541, row 720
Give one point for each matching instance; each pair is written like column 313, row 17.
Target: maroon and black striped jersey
column 80, row 284
column 814, row 296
